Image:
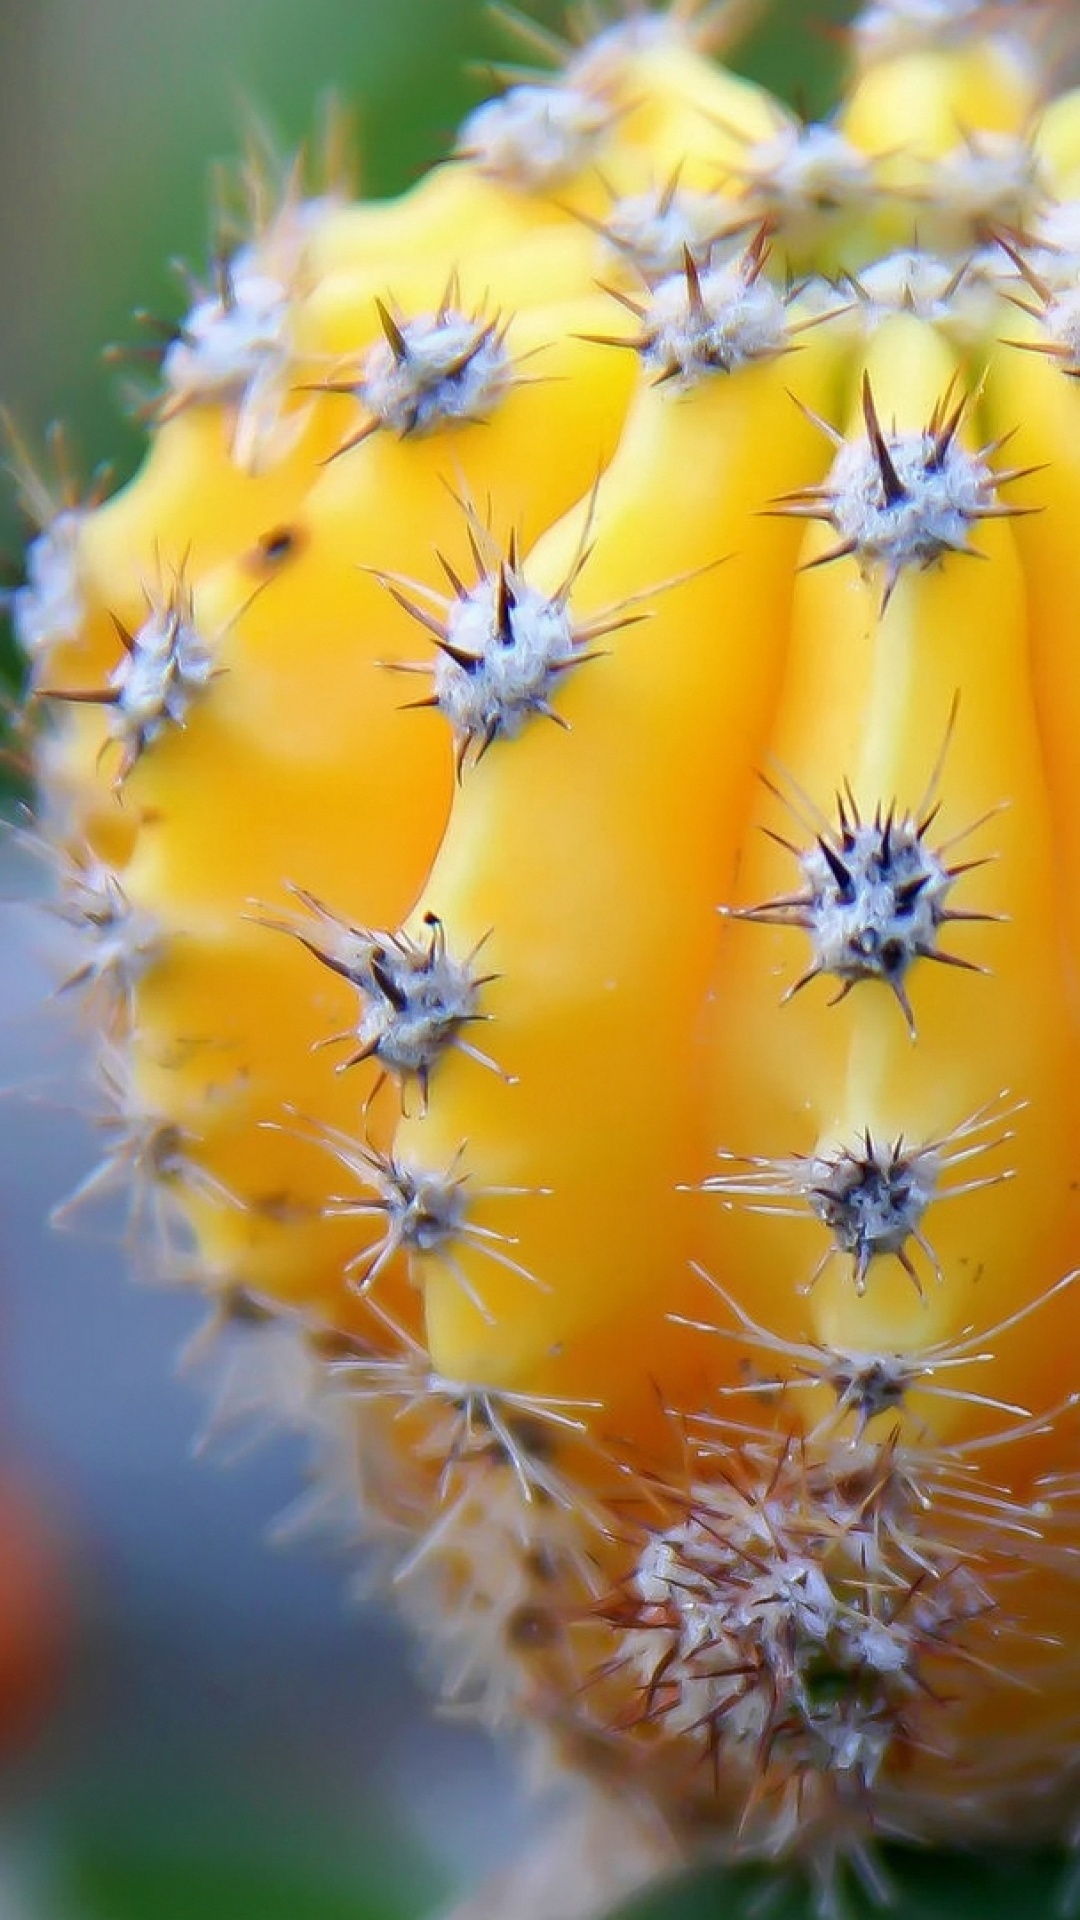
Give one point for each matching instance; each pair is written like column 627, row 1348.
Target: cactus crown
column 771, row 427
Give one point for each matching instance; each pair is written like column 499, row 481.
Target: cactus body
column 678, row 1220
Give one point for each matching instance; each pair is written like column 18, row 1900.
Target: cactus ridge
column 474, row 1066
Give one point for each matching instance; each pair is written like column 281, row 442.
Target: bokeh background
column 229, row 1738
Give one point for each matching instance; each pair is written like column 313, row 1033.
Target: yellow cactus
column 643, row 1086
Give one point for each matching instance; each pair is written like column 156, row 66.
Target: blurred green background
column 230, row 1747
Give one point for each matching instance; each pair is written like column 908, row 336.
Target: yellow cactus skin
column 641, row 1091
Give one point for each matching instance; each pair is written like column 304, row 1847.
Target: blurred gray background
column 232, row 1741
